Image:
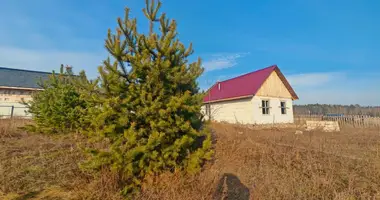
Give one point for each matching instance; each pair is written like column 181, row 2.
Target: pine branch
column 149, row 49
column 150, row 12
column 189, row 50
column 164, row 24
column 125, row 75
column 129, row 29
column 154, row 14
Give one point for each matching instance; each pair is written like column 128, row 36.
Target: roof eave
column 19, row 88
column 228, row 99
column 286, row 83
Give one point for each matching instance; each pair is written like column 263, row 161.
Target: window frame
column 265, row 107
column 208, row 109
column 283, row 108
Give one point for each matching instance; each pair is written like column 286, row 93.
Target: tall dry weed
column 10, row 127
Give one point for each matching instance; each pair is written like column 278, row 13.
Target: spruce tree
column 148, row 104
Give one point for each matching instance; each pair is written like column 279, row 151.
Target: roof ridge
column 247, row 73
column 25, row 70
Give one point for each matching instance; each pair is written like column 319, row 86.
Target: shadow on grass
column 230, row 188
column 28, row 195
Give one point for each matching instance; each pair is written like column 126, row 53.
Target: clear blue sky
column 329, row 50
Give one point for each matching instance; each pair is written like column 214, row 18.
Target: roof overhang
column 229, row 99
column 286, row 83
column 20, row 88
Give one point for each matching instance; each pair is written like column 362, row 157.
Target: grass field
column 248, row 163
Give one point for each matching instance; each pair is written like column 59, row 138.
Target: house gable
column 273, row 86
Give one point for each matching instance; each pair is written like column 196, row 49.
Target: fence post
column 12, row 108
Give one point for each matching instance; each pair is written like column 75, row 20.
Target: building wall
column 14, row 95
column 12, row 98
column 274, row 90
column 274, row 115
column 249, row 111
column 232, row 111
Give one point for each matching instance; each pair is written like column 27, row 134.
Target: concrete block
column 327, row 126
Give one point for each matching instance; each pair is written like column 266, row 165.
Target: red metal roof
column 244, row 86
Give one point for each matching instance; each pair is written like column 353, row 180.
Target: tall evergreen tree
column 148, row 104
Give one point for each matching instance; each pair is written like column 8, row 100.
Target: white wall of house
column 275, row 115
column 249, row 111
column 12, row 98
column 231, row 111
column 14, row 95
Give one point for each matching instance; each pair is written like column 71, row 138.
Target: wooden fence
column 345, row 120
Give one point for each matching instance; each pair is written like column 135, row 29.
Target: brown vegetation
column 248, row 163
column 36, row 165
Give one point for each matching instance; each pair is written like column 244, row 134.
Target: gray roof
column 21, row 78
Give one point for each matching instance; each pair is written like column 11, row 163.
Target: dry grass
column 36, row 165
column 248, row 164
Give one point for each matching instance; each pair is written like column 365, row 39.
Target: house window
column 208, row 110
column 283, row 107
column 265, row 107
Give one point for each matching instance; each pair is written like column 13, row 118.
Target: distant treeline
column 321, row 109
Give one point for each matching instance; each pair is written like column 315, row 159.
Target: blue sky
column 328, row 49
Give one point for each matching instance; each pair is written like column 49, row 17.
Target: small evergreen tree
column 57, row 108
column 148, row 105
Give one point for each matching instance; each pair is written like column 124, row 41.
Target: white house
column 17, row 85
column 260, row 97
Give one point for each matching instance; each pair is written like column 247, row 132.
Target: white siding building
column 17, row 85
column 260, row 97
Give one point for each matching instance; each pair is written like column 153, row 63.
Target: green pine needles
column 149, row 105
column 58, row 108
column 144, row 108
